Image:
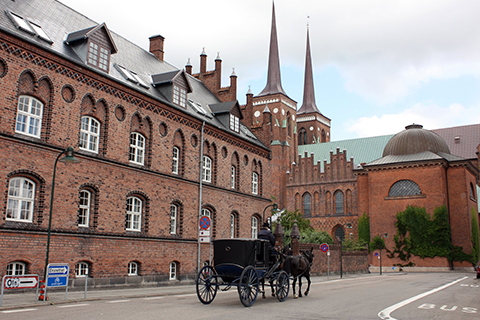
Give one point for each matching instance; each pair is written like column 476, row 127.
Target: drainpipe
column 200, row 196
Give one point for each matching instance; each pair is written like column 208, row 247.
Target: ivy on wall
column 364, row 229
column 475, row 237
column 420, row 234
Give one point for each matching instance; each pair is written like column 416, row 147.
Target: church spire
column 308, row 105
column 274, row 81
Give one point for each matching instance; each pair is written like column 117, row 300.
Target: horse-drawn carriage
column 245, row 264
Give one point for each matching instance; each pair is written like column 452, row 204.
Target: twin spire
column 274, row 81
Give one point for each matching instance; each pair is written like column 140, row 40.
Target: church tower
column 271, row 116
column 313, row 126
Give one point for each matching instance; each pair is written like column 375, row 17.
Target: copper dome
column 415, row 140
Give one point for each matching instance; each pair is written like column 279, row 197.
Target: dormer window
column 179, row 96
column 234, row 123
column 98, row 56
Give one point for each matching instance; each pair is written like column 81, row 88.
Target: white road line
column 18, row 310
column 74, row 305
column 385, row 313
column 118, row 301
column 153, row 298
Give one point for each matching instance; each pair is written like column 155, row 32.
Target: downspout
column 200, row 195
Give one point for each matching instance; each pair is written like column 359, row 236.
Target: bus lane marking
column 385, row 313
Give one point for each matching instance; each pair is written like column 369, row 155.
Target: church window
column 307, row 206
column 404, row 188
column 339, row 202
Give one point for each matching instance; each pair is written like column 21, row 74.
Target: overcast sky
column 378, row 65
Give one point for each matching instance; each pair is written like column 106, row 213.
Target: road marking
column 18, row 310
column 385, row 313
column 118, row 301
column 74, row 305
column 153, row 298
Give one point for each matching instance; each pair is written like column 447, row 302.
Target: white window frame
column 207, row 169
column 89, row 134
column 81, row 269
column 29, row 116
column 234, row 123
column 175, row 159
column 233, row 173
column 207, row 213
column 21, row 199
column 16, row 268
column 173, row 218
column 232, row 225
column 173, row 271
column 134, row 214
column 85, row 200
column 254, row 227
column 98, row 56
column 137, row 148
column 179, row 96
column 254, row 183
column 133, row 268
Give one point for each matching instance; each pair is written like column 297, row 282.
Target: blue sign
column 60, row 281
column 57, row 275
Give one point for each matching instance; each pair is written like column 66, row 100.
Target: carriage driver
column 266, row 234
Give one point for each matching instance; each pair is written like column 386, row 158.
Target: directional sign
column 324, row 247
column 204, row 222
column 20, row 282
column 57, row 275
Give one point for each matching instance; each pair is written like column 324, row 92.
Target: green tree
column 364, row 229
column 475, row 237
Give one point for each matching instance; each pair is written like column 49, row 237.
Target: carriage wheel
column 282, row 286
column 207, row 285
column 248, row 286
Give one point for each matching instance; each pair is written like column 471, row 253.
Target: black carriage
column 241, row 263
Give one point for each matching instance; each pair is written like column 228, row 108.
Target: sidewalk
column 26, row 299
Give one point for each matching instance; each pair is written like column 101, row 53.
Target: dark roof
column 58, row 20
column 462, row 141
column 225, row 107
column 85, row 33
column 414, row 139
column 274, row 81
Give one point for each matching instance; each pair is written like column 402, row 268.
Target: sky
column 378, row 65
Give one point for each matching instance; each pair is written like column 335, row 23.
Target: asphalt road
column 393, row 296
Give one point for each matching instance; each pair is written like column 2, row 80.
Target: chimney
column 188, row 67
column 156, row 46
column 203, row 62
column 218, row 71
column 233, row 84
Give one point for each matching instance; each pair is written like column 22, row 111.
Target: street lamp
column 69, row 158
column 275, row 207
column 385, row 236
column 348, row 226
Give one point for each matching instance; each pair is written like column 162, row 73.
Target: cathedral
column 112, row 156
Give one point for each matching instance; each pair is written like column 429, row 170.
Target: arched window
column 307, row 206
column 233, row 172
column 137, row 148
column 233, row 224
column 254, row 227
column 29, row 116
column 173, row 270
column 302, row 137
column 404, row 188
column 81, row 269
column 89, row 134
column 255, row 183
column 175, row 160
column 173, row 218
column 16, row 268
column 207, row 169
column 340, row 233
column 339, row 202
column 132, row 268
column 21, row 194
column 84, row 206
column 134, row 214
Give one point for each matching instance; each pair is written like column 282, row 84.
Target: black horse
column 298, row 267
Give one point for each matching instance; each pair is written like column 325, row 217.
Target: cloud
column 430, row 116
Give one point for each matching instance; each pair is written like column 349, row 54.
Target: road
column 392, row 296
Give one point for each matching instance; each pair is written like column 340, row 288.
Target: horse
column 298, row 267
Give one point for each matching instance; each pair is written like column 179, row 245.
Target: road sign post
column 204, row 232
column 57, row 276
column 26, row 281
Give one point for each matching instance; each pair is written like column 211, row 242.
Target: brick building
column 159, row 147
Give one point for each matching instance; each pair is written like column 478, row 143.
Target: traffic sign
column 57, row 275
column 20, row 282
column 204, row 239
column 204, row 233
column 324, row 247
column 204, row 222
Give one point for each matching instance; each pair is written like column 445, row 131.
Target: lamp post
column 275, row 207
column 69, row 158
column 348, row 226
column 385, row 236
